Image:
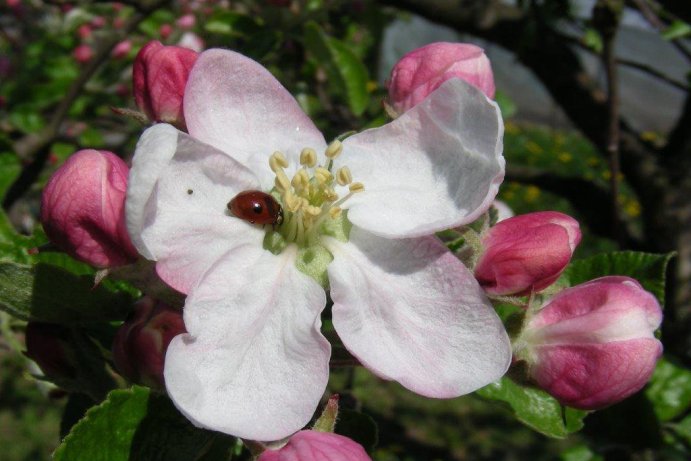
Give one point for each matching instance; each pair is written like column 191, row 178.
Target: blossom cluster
column 355, row 220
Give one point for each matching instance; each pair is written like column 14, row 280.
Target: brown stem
column 606, row 17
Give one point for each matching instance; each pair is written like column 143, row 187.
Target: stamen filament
column 309, row 198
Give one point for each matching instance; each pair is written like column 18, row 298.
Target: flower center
column 310, row 199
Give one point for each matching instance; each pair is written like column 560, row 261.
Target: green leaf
column 359, row 427
column 506, row 105
column 580, row 453
column 9, row 171
column 137, row 424
column 669, row 390
column 648, row 268
column 51, row 294
column 14, row 246
column 593, row 40
column 342, row 65
column 678, row 29
column 231, row 23
column 25, row 118
column 683, row 429
column 535, row 408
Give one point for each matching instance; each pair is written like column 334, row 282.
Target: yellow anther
column 323, row 175
column 356, row 187
column 301, row 179
column 292, row 203
column 313, row 210
column 329, row 194
column 335, row 212
column 308, row 157
column 334, row 149
column 343, row 176
column 277, row 161
column 282, row 182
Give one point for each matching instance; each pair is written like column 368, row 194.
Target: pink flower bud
column 83, row 206
column 592, row 345
column 186, row 21
column 84, row 31
column 98, row 21
column 121, row 49
column 49, row 346
column 83, row 53
column 159, row 78
column 140, row 344
column 317, row 446
column 423, row 70
column 526, row 253
column 165, row 30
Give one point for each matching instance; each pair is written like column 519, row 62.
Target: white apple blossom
column 359, row 222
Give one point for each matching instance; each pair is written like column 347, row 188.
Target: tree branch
column 34, row 148
column 606, row 17
column 655, row 21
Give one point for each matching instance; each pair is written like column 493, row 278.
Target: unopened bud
column 83, row 206
column 526, row 253
column 593, row 345
column 159, row 77
column 423, row 70
column 140, row 345
column 317, row 446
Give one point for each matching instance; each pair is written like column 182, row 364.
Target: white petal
column 254, row 363
column 411, row 312
column 437, row 166
column 176, row 206
column 236, row 105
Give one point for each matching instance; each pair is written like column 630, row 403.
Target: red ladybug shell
column 256, row 207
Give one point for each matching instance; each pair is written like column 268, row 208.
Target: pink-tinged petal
column 527, row 252
column 159, row 76
column 614, row 308
column 593, row 345
column 140, row 344
column 317, row 446
column 177, row 205
column 234, row 104
column 410, row 311
column 593, row 376
column 254, row 363
column 423, row 70
column 437, row 166
column 83, row 209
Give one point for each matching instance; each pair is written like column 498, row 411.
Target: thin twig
column 656, row 22
column 606, row 17
column 651, row 71
column 33, row 148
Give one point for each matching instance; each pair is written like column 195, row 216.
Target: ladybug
column 256, row 207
